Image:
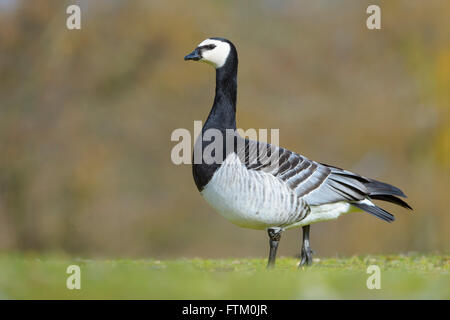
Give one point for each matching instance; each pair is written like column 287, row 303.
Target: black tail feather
column 380, row 188
column 390, row 198
column 370, row 189
column 376, row 211
column 385, row 192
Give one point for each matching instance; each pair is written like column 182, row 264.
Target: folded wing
column 317, row 183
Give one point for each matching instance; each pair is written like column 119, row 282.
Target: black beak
column 194, row 55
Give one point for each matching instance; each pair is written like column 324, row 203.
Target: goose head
column 214, row 51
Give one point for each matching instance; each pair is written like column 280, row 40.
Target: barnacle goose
column 261, row 186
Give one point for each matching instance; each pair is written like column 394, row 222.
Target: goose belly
column 323, row 212
column 252, row 199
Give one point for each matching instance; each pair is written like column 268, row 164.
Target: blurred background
column 86, row 118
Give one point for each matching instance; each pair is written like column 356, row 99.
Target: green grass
column 402, row 277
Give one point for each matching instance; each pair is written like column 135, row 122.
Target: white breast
column 252, row 199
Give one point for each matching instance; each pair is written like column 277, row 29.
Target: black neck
column 221, row 117
column 223, row 112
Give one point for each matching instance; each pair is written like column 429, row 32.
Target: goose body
column 261, row 186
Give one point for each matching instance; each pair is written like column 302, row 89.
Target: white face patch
column 217, row 56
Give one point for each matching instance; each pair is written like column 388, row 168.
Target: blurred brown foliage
column 86, row 118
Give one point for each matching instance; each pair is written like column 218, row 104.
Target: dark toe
column 306, row 257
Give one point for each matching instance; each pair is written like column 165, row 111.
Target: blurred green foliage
column 86, row 117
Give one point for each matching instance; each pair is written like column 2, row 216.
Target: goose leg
column 306, row 254
column 274, row 238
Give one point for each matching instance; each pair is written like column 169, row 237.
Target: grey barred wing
column 315, row 183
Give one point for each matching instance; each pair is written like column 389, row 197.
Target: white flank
column 217, row 56
column 368, row 202
column 323, row 212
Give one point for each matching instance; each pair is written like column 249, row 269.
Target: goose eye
column 209, row 46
